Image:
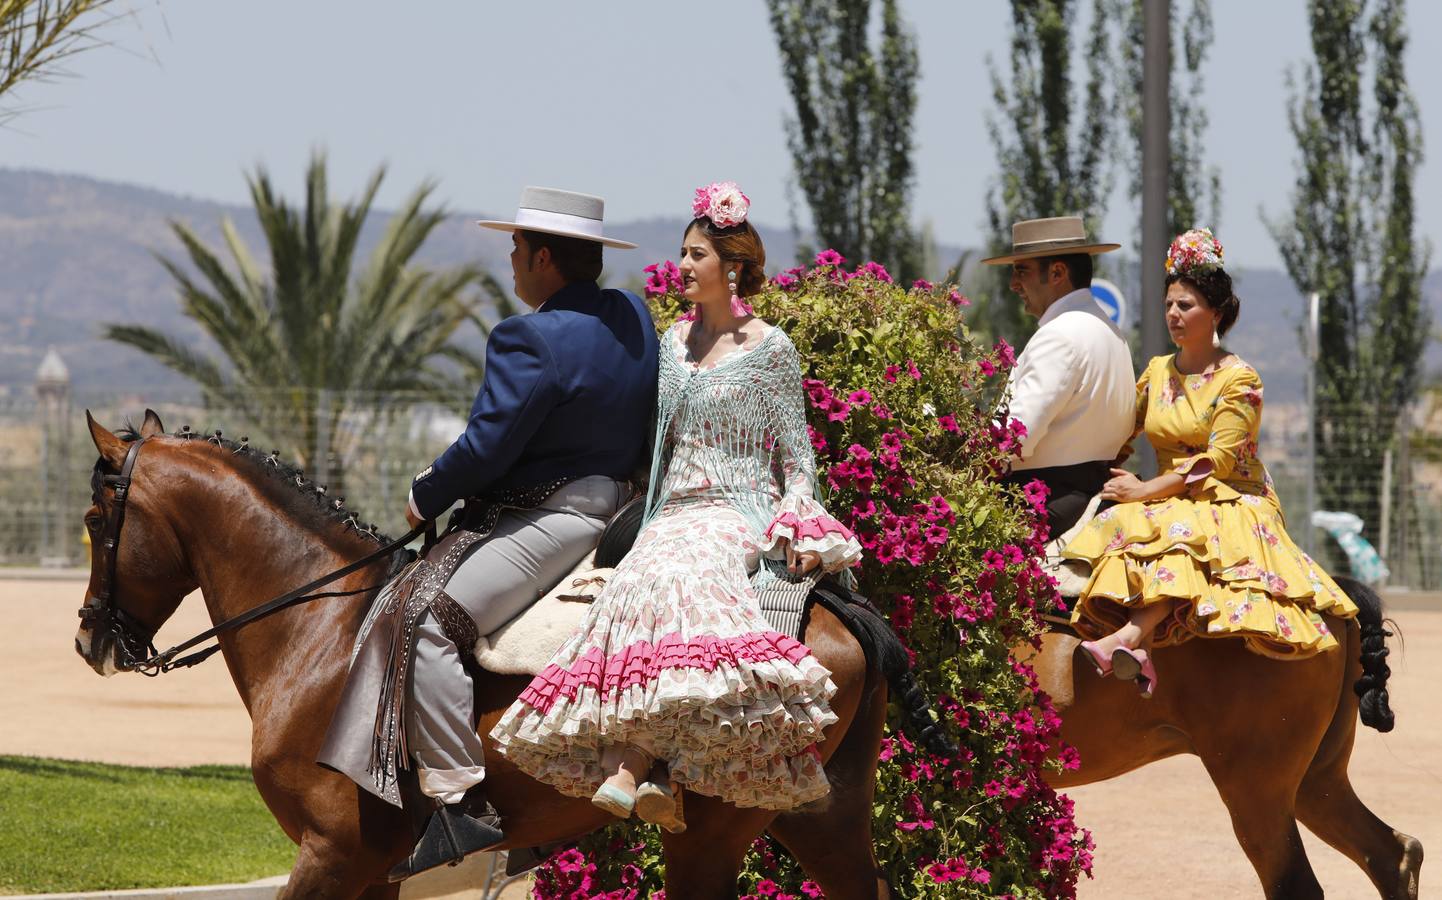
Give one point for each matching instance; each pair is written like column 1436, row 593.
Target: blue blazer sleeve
column 521, row 387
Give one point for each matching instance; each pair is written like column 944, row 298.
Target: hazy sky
column 638, row 100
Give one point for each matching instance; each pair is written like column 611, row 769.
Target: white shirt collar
column 1067, row 303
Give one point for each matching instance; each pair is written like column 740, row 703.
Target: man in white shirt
column 1073, row 386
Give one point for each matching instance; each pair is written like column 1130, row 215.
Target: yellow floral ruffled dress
column 1221, row 547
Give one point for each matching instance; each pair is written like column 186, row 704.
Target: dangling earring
column 739, row 307
column 1216, row 338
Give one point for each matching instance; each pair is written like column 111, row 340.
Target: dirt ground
column 1160, row 831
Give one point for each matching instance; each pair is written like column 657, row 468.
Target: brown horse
column 1275, row 737
column 208, row 514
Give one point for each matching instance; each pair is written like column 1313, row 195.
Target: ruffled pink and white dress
column 674, row 656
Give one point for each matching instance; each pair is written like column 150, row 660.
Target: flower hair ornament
column 722, row 202
column 726, row 206
column 1194, row 252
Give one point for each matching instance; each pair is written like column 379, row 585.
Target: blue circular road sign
column 1109, row 297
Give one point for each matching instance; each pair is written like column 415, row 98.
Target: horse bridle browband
column 135, row 643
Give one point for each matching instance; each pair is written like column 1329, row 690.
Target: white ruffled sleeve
column 800, row 518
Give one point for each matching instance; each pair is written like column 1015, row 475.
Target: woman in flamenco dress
column 1201, row 550
column 674, row 668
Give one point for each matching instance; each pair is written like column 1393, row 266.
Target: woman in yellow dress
column 1200, row 550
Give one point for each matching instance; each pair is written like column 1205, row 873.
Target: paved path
column 1160, row 831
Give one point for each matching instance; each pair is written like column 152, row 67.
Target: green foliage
column 36, row 36
column 851, row 137
column 903, row 405
column 1350, row 238
column 316, row 334
column 76, row 826
column 1050, row 162
column 1194, row 187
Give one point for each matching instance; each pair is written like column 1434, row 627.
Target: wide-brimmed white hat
column 1059, row 236
column 565, row 213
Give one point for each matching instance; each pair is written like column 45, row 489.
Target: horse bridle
column 135, row 643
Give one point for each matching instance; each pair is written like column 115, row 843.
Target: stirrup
column 450, row 836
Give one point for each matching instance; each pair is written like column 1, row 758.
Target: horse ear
column 112, row 449
column 151, row 427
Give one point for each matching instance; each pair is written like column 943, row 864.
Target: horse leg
column 831, row 838
column 1263, row 821
column 703, row 861
column 1327, row 804
column 323, row 870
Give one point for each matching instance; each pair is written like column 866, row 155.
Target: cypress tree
column 1052, row 147
column 850, row 137
column 1349, row 238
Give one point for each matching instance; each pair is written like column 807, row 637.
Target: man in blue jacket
column 560, row 422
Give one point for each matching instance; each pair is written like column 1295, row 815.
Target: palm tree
column 310, row 341
column 36, row 35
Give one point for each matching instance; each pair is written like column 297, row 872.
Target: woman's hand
column 1124, row 487
column 800, row 563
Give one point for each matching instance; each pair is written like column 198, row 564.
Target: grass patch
column 77, row 826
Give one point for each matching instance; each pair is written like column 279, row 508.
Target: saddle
column 1071, row 574
column 524, row 645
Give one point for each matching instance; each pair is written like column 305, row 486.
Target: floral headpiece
column 722, row 202
column 1194, row 252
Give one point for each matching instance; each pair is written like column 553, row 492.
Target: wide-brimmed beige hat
column 1060, row 236
column 565, row 213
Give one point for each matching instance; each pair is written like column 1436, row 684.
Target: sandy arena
column 1161, row 831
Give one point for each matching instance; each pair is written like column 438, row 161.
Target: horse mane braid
column 1374, row 707
column 307, row 499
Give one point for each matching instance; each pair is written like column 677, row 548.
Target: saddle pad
column 783, row 597
column 524, row 645
column 1071, row 574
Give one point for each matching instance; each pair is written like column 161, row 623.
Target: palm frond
column 37, row 35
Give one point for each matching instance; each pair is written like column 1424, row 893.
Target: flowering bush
column 905, row 416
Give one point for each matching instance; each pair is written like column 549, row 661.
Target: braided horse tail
column 885, row 652
column 1371, row 688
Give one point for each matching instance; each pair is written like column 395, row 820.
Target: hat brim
column 559, row 232
column 1091, row 249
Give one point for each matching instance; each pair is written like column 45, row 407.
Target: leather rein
column 135, row 643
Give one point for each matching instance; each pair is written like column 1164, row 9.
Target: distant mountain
column 76, row 253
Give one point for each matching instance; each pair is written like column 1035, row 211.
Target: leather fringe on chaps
column 418, row 589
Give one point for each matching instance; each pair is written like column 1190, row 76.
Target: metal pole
column 321, row 473
column 1156, row 163
column 1400, row 574
column 46, row 507
column 1314, row 307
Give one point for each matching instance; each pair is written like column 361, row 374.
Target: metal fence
column 378, row 442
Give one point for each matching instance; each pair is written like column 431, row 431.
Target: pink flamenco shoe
column 1135, row 665
column 1089, row 654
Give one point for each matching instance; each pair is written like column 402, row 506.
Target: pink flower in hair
column 722, row 202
